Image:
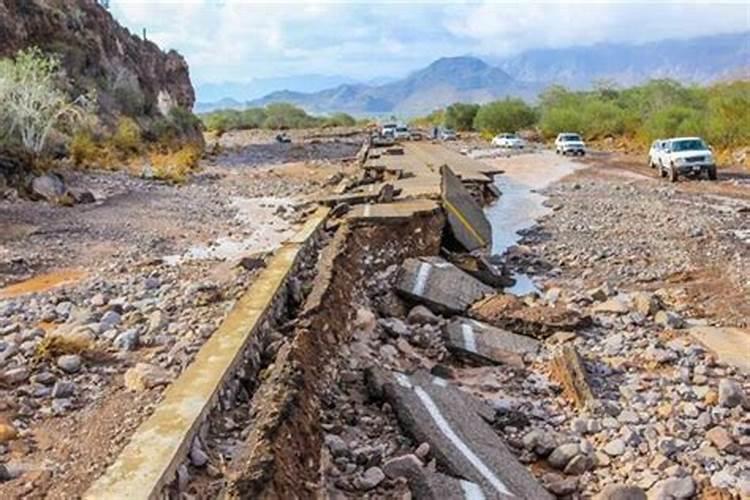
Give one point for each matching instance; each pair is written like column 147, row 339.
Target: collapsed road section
column 284, row 400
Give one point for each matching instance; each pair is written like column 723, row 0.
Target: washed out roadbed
column 133, row 283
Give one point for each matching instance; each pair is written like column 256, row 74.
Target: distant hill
column 695, row 60
column 443, row 82
column 469, row 79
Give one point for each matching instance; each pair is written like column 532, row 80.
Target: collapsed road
column 376, row 356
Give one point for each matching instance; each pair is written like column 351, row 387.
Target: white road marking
column 368, row 207
column 470, row 341
column 472, row 491
column 462, row 447
column 440, row 381
column 403, row 380
column 422, row 274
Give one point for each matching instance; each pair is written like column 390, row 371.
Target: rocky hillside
column 131, row 76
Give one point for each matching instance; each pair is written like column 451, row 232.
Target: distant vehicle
column 282, row 138
column 567, row 143
column 654, row 151
column 689, row 156
column 416, row 135
column 508, row 141
column 389, row 129
column 401, row 132
column 448, row 134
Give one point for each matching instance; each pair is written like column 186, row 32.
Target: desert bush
column 339, row 120
column 175, row 166
column 83, row 149
column 460, row 116
column 32, row 102
column 508, row 115
column 434, row 119
column 127, row 137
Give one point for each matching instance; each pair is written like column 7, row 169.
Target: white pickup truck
column 688, row 156
column 567, row 143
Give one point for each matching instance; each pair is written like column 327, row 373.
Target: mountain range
column 470, row 79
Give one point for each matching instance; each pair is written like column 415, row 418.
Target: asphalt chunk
column 488, row 343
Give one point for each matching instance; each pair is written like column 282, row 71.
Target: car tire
column 651, row 163
column 673, row 175
column 712, row 173
column 662, row 171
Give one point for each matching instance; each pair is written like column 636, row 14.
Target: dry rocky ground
column 107, row 302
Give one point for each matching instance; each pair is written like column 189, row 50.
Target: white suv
column 683, row 156
column 508, row 141
column 567, row 143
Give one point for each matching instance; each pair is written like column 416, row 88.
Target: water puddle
column 43, row 283
column 260, row 229
column 520, row 205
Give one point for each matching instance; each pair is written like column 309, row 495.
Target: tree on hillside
column 460, row 116
column 32, row 103
column 509, row 115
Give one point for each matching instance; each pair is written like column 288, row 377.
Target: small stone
column 109, row 319
column 629, row 417
column 198, row 457
column 145, row 376
column 673, row 488
column 420, row 315
column 579, row 464
column 621, row 492
column 63, row 389
column 395, row 327
column 98, row 300
column 560, row 486
column 563, row 454
column 336, row 445
column 720, row 438
column 69, row 363
column 127, row 340
column 370, row 479
column 617, row 305
column 151, row 283
column 7, row 432
column 422, row 451
column 669, row 319
column 15, row 376
column 730, row 393
column 615, row 448
column 401, row 466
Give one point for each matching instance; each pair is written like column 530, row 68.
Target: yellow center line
column 463, row 221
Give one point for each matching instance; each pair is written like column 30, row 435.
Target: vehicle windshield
column 571, row 138
column 402, row 129
column 689, row 145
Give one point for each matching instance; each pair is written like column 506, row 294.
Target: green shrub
column 460, row 116
column 339, row 120
column 127, row 136
column 508, row 115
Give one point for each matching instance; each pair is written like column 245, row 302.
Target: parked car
column 568, row 143
column 448, row 134
column 654, row 152
column 689, row 156
column 388, row 130
column 508, row 141
column 401, row 132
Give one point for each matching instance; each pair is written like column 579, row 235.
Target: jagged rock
column 673, row 488
column 48, row 187
column 370, row 479
column 669, row 319
column 401, row 466
column 145, row 376
column 621, row 492
column 420, row 315
column 730, row 393
column 563, row 454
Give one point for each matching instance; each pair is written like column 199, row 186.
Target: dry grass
column 175, row 166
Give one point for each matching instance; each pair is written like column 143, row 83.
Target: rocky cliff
column 131, row 76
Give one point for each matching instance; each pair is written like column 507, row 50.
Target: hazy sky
column 237, row 40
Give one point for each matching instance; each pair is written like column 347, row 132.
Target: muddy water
column 43, row 283
column 520, row 205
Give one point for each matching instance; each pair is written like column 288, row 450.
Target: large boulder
column 49, row 187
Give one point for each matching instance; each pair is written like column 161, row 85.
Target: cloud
column 225, row 40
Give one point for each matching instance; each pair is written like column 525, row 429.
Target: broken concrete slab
column 538, row 320
column 568, row 370
column 455, row 426
column 425, row 484
column 440, row 285
column 481, row 268
column 488, row 343
column 465, row 216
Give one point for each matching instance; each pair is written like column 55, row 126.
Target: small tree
column 32, row 103
column 508, row 115
column 460, row 116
